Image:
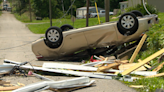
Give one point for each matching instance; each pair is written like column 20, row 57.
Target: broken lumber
column 9, row 88
column 159, row 67
column 102, row 58
column 143, row 62
column 128, row 65
column 138, row 48
column 4, row 82
column 76, row 73
column 103, row 68
column 137, row 86
column 158, row 75
column 146, row 65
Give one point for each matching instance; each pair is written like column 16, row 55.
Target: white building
column 81, row 12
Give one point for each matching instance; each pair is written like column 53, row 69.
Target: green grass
column 79, row 23
column 44, row 24
column 151, row 84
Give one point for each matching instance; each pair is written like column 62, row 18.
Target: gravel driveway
column 16, row 40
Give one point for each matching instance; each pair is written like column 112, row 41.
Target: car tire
column 137, row 13
column 54, row 37
column 66, row 27
column 127, row 24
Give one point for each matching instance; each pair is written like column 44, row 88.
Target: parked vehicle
column 58, row 43
column 101, row 14
column 9, row 9
column 5, row 6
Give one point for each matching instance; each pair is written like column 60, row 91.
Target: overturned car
column 58, row 43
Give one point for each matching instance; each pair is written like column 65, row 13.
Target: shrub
column 141, row 8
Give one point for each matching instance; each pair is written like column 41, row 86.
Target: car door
column 101, row 35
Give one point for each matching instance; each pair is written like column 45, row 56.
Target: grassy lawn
column 45, row 23
column 79, row 23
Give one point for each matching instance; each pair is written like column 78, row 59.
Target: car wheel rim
column 127, row 21
column 53, row 35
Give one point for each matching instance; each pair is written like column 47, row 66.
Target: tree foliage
column 59, row 7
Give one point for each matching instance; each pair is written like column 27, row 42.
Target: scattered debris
column 4, row 69
column 159, row 67
column 146, row 65
column 143, row 62
column 129, row 65
column 39, row 76
column 71, row 83
column 157, row 75
column 161, row 58
column 6, row 86
column 137, row 86
column 103, row 68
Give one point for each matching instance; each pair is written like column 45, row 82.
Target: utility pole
column 30, row 10
column 62, row 6
column 107, row 10
column 71, row 8
column 50, row 12
column 87, row 15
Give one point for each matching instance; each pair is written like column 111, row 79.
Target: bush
column 141, row 8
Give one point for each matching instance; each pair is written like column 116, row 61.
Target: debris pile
column 101, row 67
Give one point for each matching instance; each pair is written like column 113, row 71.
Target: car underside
column 101, row 39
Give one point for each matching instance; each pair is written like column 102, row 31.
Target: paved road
column 15, row 44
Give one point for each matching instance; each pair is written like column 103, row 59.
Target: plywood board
column 143, row 62
column 138, row 48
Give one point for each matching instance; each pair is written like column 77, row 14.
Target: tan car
column 58, row 44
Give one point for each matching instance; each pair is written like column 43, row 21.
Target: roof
column 124, row 2
column 84, row 8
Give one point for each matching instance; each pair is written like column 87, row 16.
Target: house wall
column 80, row 13
column 132, row 3
column 159, row 4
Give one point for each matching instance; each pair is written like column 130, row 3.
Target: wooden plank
column 103, row 68
column 4, row 82
column 159, row 67
column 103, row 58
column 143, row 62
column 146, row 65
column 158, row 75
column 127, row 66
column 138, row 48
column 9, row 88
column 137, row 86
